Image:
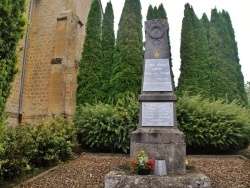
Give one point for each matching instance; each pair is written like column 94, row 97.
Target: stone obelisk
column 157, row 132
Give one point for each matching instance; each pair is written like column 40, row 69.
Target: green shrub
column 55, row 141
column 1, row 162
column 213, row 125
column 19, row 147
column 28, row 146
column 107, row 126
column 1, row 155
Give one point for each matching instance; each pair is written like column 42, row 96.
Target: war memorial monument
column 157, row 132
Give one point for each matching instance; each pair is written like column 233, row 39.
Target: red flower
column 150, row 164
column 133, row 161
column 151, row 161
column 142, row 162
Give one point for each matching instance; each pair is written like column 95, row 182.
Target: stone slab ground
column 122, row 179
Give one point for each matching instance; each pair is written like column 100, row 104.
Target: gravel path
column 88, row 171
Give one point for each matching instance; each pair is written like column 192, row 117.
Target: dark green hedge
column 27, row 147
column 107, row 126
column 213, row 125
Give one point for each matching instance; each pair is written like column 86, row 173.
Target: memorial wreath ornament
column 142, row 164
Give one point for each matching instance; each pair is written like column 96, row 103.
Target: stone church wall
column 55, row 43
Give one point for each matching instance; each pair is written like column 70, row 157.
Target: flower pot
column 144, row 171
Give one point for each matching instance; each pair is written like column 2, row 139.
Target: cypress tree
column 128, row 57
column 161, row 12
column 12, row 24
column 89, row 76
column 239, row 78
column 156, row 13
column 248, row 91
column 187, row 50
column 209, row 57
column 206, row 24
column 150, row 13
column 226, row 75
column 108, row 45
column 194, row 55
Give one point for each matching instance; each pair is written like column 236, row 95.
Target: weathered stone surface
column 157, row 75
column 168, row 97
column 156, row 39
column 167, row 144
column 153, row 135
column 157, row 131
column 123, row 179
column 157, row 114
column 157, row 97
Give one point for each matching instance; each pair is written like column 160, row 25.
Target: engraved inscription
column 157, row 114
column 157, row 75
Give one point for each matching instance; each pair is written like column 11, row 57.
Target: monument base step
column 167, row 144
column 125, row 179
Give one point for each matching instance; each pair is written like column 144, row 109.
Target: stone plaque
column 157, row 76
column 157, row 114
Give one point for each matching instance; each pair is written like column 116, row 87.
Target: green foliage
column 108, row 46
column 233, row 60
column 195, row 71
column 55, row 140
column 1, row 151
column 156, row 13
column 89, row 76
column 11, row 30
column 247, row 87
column 209, row 57
column 226, row 76
column 25, row 147
column 161, row 12
column 213, row 125
column 152, row 13
column 18, row 146
column 107, row 126
column 128, row 57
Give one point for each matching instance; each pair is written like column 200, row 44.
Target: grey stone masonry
column 123, row 179
column 161, row 144
column 157, row 132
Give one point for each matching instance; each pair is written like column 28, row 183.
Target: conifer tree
column 12, row 25
column 206, row 24
column 150, row 13
column 89, row 76
column 187, row 50
column 194, row 55
column 128, row 58
column 239, row 78
column 156, row 13
column 209, row 57
column 161, row 12
column 108, row 45
column 247, row 86
column 227, row 79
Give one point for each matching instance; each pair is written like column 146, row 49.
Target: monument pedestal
column 161, row 144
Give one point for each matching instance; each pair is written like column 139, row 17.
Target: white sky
column 238, row 11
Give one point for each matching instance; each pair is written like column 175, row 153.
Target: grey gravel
column 89, row 169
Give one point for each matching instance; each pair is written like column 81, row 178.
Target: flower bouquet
column 142, row 164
